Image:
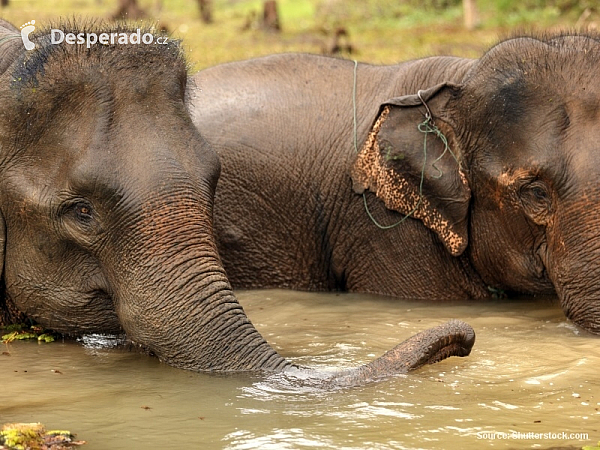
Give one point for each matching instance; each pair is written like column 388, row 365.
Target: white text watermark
column 89, row 39
column 531, row 435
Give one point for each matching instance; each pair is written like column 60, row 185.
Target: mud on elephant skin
column 106, row 198
column 510, row 204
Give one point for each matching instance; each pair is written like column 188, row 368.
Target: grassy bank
column 384, row 31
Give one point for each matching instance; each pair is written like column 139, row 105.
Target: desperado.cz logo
column 26, row 30
column 89, row 39
column 58, row 37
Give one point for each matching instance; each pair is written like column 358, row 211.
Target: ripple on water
column 528, row 372
column 102, row 341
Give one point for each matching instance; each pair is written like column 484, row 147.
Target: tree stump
column 129, row 9
column 471, row 14
column 339, row 43
column 205, row 10
column 271, row 16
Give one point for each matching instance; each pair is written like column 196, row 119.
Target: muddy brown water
column 532, row 381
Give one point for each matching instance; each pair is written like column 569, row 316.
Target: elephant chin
column 583, row 313
column 589, row 324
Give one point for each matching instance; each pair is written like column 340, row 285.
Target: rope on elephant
column 426, row 127
column 355, row 137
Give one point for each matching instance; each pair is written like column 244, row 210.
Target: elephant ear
column 414, row 169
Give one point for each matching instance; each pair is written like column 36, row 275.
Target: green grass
column 382, row 31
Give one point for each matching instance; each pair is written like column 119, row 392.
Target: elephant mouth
column 100, row 317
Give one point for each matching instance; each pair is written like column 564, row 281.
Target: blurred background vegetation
column 376, row 31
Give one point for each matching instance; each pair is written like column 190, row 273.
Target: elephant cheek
column 573, row 265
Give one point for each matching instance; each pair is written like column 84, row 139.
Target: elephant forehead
column 26, row 191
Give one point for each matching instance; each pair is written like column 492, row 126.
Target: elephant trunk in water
column 454, row 338
column 183, row 283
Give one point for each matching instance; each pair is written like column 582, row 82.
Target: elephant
column 106, row 202
column 437, row 178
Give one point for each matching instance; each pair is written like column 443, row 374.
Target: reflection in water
column 101, row 341
column 530, row 372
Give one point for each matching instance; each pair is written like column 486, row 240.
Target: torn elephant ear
column 409, row 163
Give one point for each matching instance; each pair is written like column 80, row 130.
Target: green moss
column 59, row 433
column 21, row 332
column 45, row 337
column 591, row 447
column 22, row 435
column 33, row 436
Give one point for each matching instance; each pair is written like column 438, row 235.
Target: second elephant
column 509, row 204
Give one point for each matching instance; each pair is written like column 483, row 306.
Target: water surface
column 531, row 371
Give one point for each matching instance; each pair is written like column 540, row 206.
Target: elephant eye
column 78, row 220
column 83, row 211
column 536, row 201
column 539, row 192
column 536, row 190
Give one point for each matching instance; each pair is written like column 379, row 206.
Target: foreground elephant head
column 517, row 189
column 106, row 192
